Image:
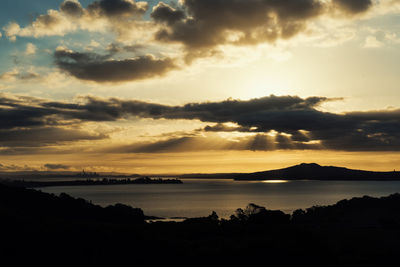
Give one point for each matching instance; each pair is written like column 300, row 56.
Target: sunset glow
column 170, row 87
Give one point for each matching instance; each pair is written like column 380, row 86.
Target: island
column 314, row 171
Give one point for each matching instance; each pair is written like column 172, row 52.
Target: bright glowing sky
column 199, row 85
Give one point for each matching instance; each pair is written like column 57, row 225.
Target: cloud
column 199, row 25
column 353, row 6
column 51, row 166
column 14, row 167
column 208, row 24
column 17, row 75
column 11, row 30
column 291, row 122
column 224, row 111
column 26, row 124
column 204, row 25
column 117, row 8
column 166, row 14
column 221, row 127
column 114, row 48
column 292, row 118
column 19, row 112
column 44, row 136
column 257, row 142
column 72, row 8
column 99, row 16
column 30, row 49
column 100, row 68
column 51, row 24
column 372, row 42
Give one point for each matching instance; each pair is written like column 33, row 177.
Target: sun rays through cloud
column 125, row 78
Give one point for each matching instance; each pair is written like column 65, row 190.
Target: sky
column 199, row 85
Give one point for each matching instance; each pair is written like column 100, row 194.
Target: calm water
column 197, row 197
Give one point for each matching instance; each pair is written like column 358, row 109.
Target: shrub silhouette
column 257, row 214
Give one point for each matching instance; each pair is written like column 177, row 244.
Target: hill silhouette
column 313, row 171
column 41, row 229
column 39, row 206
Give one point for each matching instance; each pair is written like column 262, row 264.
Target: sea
column 199, row 197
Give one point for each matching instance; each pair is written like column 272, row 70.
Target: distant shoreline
column 303, row 171
column 90, row 182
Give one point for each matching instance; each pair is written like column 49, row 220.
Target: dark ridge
column 313, row 171
column 36, row 204
column 41, row 229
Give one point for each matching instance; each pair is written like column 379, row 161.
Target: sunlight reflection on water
column 275, row 181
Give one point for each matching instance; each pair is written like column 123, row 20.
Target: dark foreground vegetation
column 102, row 181
column 42, row 229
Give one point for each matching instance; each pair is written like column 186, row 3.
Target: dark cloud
column 209, row 23
column 295, row 120
column 292, row 122
column 24, row 117
column 29, row 112
column 201, row 25
column 220, row 127
column 114, row 48
column 48, row 20
column 51, row 166
column 27, row 123
column 101, row 68
column 166, row 14
column 116, row 8
column 97, row 109
column 353, row 6
column 72, row 8
column 259, row 142
column 44, row 136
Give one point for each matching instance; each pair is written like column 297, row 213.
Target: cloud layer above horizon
column 127, row 79
column 191, row 28
column 267, row 123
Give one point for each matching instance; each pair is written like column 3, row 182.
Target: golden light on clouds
column 159, row 87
